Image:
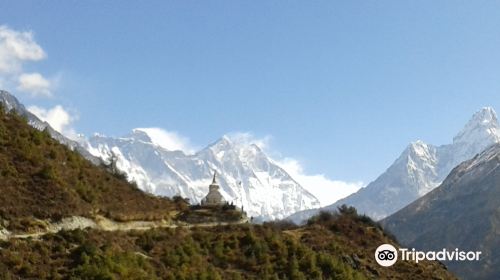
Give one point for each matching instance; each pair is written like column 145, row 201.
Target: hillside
column 461, row 213
column 10, row 103
column 41, row 179
column 329, row 247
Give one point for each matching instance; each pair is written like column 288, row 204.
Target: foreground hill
column 419, row 169
column 41, row 179
column 462, row 213
column 339, row 246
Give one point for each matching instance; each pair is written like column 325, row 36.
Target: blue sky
column 341, row 86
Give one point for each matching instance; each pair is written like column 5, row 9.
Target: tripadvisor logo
column 387, row 255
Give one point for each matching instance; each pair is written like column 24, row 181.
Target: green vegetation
column 236, row 252
column 331, row 246
column 42, row 179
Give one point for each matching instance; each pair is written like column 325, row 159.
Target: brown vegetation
column 40, row 178
column 338, row 246
column 356, row 238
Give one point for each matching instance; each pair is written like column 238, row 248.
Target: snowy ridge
column 486, row 156
column 482, row 126
column 247, row 177
column 419, row 169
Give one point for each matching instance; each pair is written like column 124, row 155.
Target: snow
column 482, row 127
column 168, row 140
column 245, row 173
column 484, row 157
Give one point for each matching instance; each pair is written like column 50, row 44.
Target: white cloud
column 169, row 140
column 35, row 84
column 17, row 47
column 58, row 118
column 326, row 190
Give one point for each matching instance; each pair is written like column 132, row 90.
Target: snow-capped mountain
column 246, row 175
column 9, row 102
column 420, row 168
column 461, row 213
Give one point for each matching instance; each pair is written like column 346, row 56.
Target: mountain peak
column 419, row 149
column 244, row 149
column 224, row 143
column 10, row 102
column 417, row 144
column 140, row 135
column 225, row 139
column 485, row 115
column 482, row 127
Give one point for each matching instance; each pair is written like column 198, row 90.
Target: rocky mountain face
column 9, row 102
column 419, row 169
column 463, row 212
column 246, row 175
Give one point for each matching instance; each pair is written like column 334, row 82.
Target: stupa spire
column 214, row 180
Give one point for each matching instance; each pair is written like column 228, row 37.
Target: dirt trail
column 103, row 223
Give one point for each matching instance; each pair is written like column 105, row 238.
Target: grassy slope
column 331, row 247
column 40, row 178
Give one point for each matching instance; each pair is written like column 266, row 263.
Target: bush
column 47, row 173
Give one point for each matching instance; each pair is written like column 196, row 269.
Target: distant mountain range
column 464, row 213
column 247, row 176
column 420, row 168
